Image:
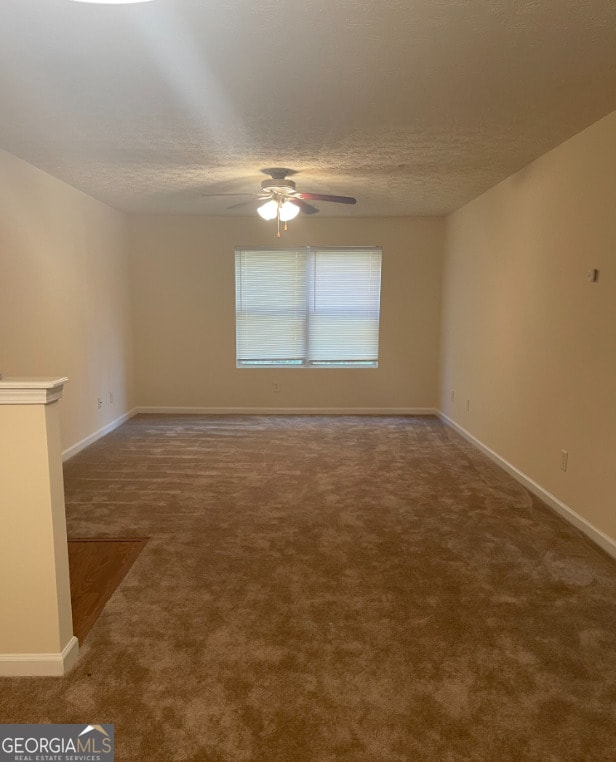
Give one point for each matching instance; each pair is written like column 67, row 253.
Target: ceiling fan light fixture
column 288, row 211
column 268, row 210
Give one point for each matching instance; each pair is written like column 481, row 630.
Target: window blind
column 307, row 307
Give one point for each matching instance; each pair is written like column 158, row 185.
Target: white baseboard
column 601, row 539
column 289, row 410
column 74, row 449
column 40, row 665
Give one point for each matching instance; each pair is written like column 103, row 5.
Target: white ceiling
column 411, row 106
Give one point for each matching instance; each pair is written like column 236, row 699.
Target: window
column 307, row 307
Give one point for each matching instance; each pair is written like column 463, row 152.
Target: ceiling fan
column 279, row 200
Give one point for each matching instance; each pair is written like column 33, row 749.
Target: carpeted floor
column 332, row 590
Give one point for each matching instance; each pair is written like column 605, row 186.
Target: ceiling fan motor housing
column 278, row 185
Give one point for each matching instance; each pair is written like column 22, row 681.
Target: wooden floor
column 97, row 566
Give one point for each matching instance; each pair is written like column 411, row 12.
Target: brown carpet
column 334, row 590
column 96, row 569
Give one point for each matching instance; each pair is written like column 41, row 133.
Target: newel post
column 36, row 627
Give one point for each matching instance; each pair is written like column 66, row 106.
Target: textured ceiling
column 411, row 106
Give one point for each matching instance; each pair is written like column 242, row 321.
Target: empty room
column 307, row 371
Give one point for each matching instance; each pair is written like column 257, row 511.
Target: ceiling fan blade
column 211, row 195
column 243, row 203
column 303, row 206
column 321, row 197
column 254, row 200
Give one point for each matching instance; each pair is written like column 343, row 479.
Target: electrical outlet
column 564, row 457
column 275, row 387
column 111, row 398
column 99, row 403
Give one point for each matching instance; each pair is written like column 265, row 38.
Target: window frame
column 310, row 256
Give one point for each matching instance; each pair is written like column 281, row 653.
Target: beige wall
column 64, row 295
column 526, row 338
column 184, row 302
